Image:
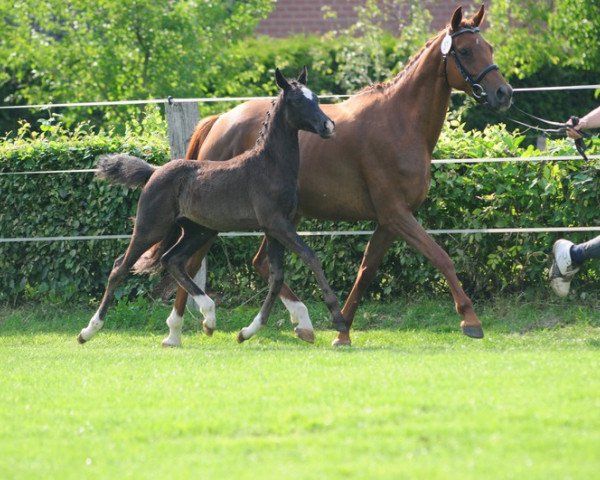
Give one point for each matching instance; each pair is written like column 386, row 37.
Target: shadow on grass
column 514, row 315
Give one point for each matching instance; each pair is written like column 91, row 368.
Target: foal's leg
column 275, row 254
column 137, row 246
column 194, row 236
column 415, row 235
column 298, row 311
column 286, row 234
column 175, row 318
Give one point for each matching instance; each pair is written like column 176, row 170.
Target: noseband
column 448, row 49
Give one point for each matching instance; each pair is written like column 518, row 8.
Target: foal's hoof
column 473, row 331
column 240, row 337
column 342, row 340
column 80, row 339
column 305, row 334
column 207, row 330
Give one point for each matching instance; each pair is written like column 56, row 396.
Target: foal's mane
column 267, row 125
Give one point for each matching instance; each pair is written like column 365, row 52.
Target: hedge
column 527, row 194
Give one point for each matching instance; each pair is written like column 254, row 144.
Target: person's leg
column 584, row 251
column 567, row 260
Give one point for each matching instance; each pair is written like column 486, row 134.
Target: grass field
column 413, row 398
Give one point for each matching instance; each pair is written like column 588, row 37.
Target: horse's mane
column 411, row 62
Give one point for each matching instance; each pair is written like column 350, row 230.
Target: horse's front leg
column 298, row 312
column 406, row 226
column 275, row 256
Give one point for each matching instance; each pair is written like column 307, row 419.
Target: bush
column 462, row 196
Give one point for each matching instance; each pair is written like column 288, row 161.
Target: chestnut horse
column 378, row 165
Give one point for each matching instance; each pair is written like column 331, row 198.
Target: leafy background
column 59, row 51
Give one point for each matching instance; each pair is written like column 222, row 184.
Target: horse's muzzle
column 502, row 97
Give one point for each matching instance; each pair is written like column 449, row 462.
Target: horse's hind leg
column 275, row 255
column 298, row 312
column 415, row 235
column 138, row 245
column 175, row 318
column 194, row 236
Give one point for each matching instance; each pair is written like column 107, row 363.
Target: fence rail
column 171, row 103
column 243, row 99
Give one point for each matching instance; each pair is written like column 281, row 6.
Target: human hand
column 573, row 129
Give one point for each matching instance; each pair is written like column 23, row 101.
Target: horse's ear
column 303, row 76
column 456, row 19
column 281, row 81
column 478, row 18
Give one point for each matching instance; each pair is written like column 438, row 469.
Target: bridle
column 448, row 49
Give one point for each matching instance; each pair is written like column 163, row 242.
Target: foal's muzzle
column 328, row 129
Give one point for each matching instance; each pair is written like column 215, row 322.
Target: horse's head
column 468, row 62
column 302, row 106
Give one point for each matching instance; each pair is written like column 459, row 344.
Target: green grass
column 413, row 398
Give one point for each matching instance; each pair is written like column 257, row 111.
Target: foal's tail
column 199, row 135
column 124, row 170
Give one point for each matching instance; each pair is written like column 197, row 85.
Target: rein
column 448, row 49
column 560, row 128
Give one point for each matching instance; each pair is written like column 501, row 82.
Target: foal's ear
column 456, row 19
column 478, row 18
column 303, row 76
column 281, row 81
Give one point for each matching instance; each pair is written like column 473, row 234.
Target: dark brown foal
column 185, row 204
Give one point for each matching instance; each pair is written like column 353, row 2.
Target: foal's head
column 301, row 106
column 469, row 63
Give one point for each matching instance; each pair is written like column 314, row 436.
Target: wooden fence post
column 182, row 119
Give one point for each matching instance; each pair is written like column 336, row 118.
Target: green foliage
column 69, row 51
column 64, row 205
column 531, row 34
column 489, row 195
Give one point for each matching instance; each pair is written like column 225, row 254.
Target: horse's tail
column 199, row 136
column 124, row 170
column 150, row 262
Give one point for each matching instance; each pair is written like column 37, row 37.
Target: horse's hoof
column 473, row 331
column 240, row 337
column 305, row 334
column 80, row 339
column 207, row 330
column 166, row 344
column 342, row 340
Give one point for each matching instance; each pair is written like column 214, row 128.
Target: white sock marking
column 175, row 324
column 92, row 328
column 207, row 308
column 298, row 313
column 254, row 327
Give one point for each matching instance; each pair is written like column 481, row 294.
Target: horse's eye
column 464, row 52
